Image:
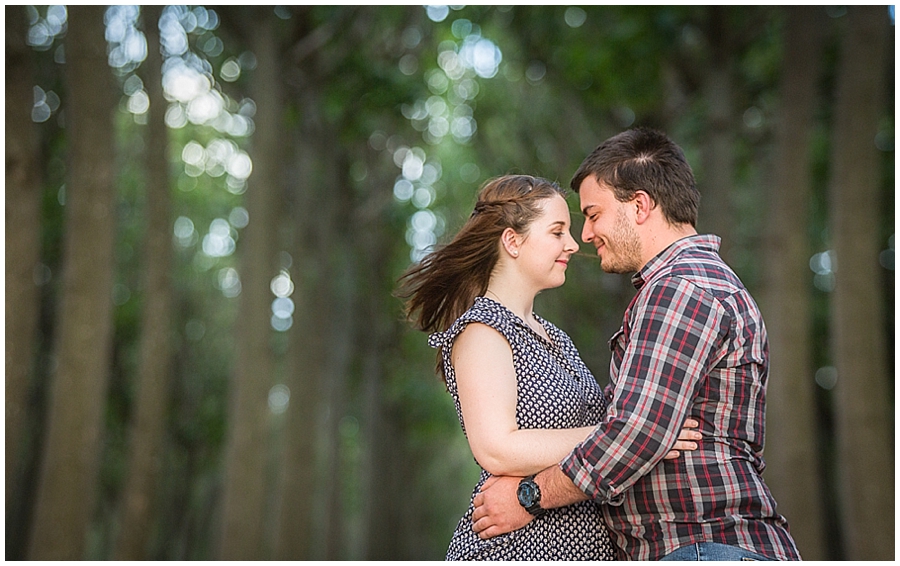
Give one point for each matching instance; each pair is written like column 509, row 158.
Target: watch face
column 527, row 493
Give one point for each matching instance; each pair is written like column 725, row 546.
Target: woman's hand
column 686, row 440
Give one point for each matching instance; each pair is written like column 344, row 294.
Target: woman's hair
column 440, row 288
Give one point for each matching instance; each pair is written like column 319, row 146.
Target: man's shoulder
column 702, row 268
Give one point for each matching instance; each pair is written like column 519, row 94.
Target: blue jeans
column 712, row 551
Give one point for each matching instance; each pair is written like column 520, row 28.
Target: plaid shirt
column 692, row 343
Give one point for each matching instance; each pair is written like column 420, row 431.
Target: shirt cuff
column 582, row 477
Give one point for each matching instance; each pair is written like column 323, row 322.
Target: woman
column 523, row 396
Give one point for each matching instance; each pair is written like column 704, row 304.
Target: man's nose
column 586, row 233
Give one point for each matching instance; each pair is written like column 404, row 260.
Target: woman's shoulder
column 484, row 311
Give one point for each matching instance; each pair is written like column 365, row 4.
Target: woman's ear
column 510, row 241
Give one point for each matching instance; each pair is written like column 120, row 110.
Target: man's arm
column 497, row 508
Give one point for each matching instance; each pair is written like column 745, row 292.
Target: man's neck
column 655, row 241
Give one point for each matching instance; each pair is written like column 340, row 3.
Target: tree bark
column 793, row 471
column 716, row 210
column 23, row 236
column 312, row 524
column 154, row 370
column 68, row 478
column 381, row 437
column 863, row 414
column 243, row 534
column 299, row 536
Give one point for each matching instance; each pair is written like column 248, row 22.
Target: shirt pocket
column 617, row 346
column 617, row 340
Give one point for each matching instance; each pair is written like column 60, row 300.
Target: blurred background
column 207, row 210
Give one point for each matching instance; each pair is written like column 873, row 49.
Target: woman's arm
column 486, row 380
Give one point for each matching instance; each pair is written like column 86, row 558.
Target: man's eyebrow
column 587, row 208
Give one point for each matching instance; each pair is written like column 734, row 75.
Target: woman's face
column 545, row 251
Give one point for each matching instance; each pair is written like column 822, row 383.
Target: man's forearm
column 557, row 490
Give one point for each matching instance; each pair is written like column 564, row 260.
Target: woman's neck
column 519, row 302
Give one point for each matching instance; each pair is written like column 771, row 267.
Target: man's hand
column 497, row 509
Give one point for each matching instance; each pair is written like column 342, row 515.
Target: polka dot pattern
column 555, row 390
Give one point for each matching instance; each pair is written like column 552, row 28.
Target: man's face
column 610, row 226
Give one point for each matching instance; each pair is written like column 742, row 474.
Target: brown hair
column 646, row 160
column 440, row 288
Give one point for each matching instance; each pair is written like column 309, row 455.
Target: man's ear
column 643, row 204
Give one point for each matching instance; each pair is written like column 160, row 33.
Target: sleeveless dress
column 555, row 390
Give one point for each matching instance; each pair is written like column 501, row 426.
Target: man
column 692, row 343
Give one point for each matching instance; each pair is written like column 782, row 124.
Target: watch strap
column 533, row 504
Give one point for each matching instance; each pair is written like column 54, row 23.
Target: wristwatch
column 529, row 495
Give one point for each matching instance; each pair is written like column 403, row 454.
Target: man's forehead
column 593, row 193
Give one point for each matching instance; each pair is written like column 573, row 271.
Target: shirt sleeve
column 674, row 337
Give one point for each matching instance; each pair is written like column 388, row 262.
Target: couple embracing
column 666, row 463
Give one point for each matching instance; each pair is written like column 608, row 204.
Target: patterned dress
column 555, row 390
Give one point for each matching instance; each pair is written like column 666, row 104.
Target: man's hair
column 643, row 159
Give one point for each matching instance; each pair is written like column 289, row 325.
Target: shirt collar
column 707, row 242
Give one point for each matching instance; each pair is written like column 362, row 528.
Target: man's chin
column 608, row 267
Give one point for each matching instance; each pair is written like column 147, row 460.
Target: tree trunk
column 716, row 210
column 299, row 536
column 243, row 533
column 154, row 370
column 23, row 236
column 312, row 524
column 792, row 469
column 381, row 437
column 336, row 384
column 863, row 414
column 296, row 527
column 68, row 478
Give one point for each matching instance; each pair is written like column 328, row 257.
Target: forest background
column 207, row 210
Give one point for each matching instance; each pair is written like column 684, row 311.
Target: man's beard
column 625, row 245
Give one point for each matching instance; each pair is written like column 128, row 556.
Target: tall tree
column 154, row 369
column 23, row 231
column 791, row 455
column 243, row 533
column 716, row 208
column 298, row 529
column 297, row 526
column 312, row 523
column 382, row 461
column 863, row 413
column 68, row 477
